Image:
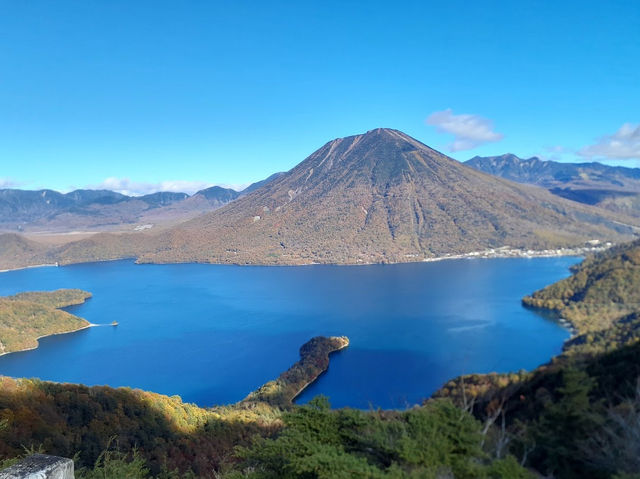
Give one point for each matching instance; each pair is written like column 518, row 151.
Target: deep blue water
column 213, row 333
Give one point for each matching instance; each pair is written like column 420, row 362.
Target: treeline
column 437, row 440
column 601, row 300
column 78, row 421
column 60, row 298
column 313, row 441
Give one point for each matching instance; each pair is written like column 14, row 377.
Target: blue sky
column 176, row 95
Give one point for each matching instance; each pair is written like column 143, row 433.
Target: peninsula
column 27, row 317
column 314, row 360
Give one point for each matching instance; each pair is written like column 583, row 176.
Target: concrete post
column 40, row 466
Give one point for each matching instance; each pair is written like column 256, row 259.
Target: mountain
column 613, row 187
column 101, row 210
column 163, row 198
column 383, row 197
column 549, row 174
column 219, row 194
column 87, row 197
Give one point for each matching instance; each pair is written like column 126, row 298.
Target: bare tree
column 617, row 446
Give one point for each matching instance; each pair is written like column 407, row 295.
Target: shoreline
column 491, row 253
column 87, row 326
column 309, row 383
column 506, row 252
column 314, row 361
column 29, row 267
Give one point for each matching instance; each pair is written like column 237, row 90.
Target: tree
column 565, row 425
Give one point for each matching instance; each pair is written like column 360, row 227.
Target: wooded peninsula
column 26, row 317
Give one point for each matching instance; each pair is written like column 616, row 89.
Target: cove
column 213, row 333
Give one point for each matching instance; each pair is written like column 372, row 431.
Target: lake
column 213, row 333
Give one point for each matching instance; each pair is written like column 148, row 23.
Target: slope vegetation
column 601, row 299
column 383, row 196
column 372, row 198
column 26, row 317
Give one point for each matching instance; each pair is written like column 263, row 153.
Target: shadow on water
column 548, row 315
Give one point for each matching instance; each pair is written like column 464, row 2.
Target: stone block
column 40, row 466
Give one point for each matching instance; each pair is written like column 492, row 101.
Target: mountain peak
column 384, row 131
column 391, row 134
column 379, row 157
column 382, row 196
column 378, row 134
column 504, row 158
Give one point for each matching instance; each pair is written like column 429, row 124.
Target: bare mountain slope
column 382, row 196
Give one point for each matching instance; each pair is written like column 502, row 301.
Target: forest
column 25, row 317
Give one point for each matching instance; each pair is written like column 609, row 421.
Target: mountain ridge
column 377, row 197
column 105, row 210
column 381, row 196
column 616, row 188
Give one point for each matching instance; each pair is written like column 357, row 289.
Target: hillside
column 383, row 197
column 26, row 317
column 16, row 251
column 601, row 300
column 612, row 187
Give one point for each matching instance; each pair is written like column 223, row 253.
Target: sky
column 140, row 96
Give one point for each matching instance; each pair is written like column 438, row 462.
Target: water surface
column 213, row 333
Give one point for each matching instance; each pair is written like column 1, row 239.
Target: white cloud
column 558, row 149
column 138, row 188
column 468, row 130
column 624, row 144
column 8, row 183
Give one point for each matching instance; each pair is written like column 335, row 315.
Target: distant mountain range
column 104, row 210
column 612, row 187
column 377, row 197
